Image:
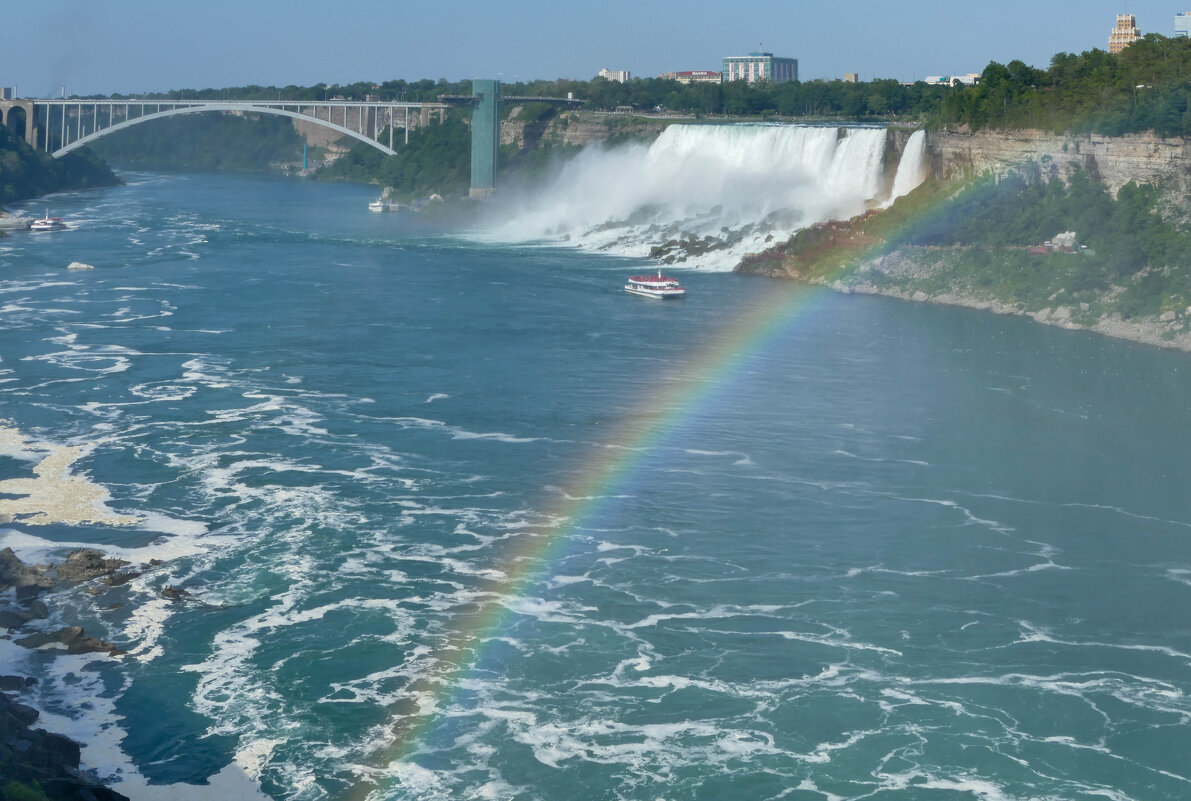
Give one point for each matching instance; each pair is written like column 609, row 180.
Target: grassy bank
column 981, row 244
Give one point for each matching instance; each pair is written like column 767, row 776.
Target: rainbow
column 675, row 404
column 679, row 399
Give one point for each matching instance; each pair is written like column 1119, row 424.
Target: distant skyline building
column 760, row 67
column 619, row 76
column 1124, row 34
column 970, row 79
column 851, row 77
column 1182, row 24
column 693, row 76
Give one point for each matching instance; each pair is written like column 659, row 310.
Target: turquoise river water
column 463, row 520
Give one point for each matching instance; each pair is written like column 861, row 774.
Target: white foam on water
column 977, row 788
column 1031, row 633
column 54, row 493
column 1181, row 575
column 233, row 783
column 89, row 717
column 971, row 519
column 1035, row 568
column 34, row 549
column 562, row 581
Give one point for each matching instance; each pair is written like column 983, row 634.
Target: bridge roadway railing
column 77, row 122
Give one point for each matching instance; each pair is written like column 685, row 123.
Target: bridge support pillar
column 485, row 137
column 31, row 125
column 7, row 107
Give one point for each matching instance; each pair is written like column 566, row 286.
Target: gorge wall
column 1115, row 160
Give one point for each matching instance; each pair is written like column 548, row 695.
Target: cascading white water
column 718, row 191
column 911, row 170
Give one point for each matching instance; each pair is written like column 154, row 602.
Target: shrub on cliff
column 437, row 159
column 26, row 173
column 15, row 791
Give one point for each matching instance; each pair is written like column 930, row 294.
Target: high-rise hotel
column 1182, row 24
column 1124, row 34
column 760, row 67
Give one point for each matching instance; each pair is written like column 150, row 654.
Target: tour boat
column 380, row 204
column 654, row 286
column 47, row 223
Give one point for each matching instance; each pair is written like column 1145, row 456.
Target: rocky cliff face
column 1116, row 160
column 577, row 128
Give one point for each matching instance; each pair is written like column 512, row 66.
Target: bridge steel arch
column 262, row 109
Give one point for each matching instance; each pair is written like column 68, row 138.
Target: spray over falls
column 706, row 195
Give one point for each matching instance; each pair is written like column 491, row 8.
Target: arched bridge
column 60, row 126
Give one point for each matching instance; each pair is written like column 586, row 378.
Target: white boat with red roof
column 47, row 223
column 658, row 286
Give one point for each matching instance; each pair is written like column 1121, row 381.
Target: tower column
column 485, row 138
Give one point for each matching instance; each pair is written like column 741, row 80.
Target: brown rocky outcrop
column 86, row 564
column 16, row 574
column 584, row 127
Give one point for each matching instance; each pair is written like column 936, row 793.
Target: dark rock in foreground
column 16, row 574
column 36, row 764
column 35, row 757
column 72, row 637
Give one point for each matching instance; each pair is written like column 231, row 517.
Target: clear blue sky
column 131, row 46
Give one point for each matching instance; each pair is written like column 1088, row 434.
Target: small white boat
column 47, row 223
column 380, row 204
column 659, row 286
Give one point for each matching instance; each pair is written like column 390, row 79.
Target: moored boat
column 380, row 204
column 47, row 223
column 655, row 286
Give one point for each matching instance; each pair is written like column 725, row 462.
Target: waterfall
column 911, row 169
column 720, row 191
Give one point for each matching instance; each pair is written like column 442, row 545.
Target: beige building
column 851, row 77
column 1124, row 34
column 619, row 76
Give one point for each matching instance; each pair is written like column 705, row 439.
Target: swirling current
column 876, row 551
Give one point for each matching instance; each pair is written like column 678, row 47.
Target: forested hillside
column 1143, row 88
column 437, row 159
column 26, row 173
column 209, row 141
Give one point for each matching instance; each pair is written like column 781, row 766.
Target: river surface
column 465, row 521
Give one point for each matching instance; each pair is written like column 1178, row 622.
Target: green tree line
column 209, row 141
column 1143, row 88
column 26, row 173
column 435, row 160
